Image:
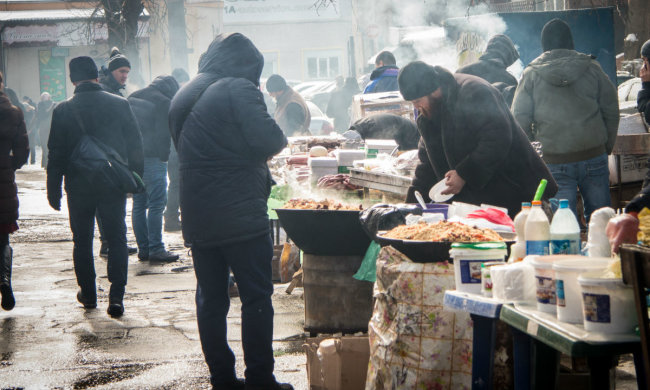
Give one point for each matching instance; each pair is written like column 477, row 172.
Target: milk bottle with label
column 537, row 231
column 565, row 231
column 518, row 249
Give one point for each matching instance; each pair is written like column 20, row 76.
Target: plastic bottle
column 565, row 231
column 518, row 249
column 537, row 231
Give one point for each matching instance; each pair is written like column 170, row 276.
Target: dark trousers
column 112, row 210
column 250, row 262
column 173, row 197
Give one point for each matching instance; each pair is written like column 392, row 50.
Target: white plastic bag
column 513, row 282
column 597, row 241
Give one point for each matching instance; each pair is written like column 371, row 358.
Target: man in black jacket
column 109, row 119
column 114, row 77
column 388, row 126
column 224, row 136
column 151, row 107
column 384, row 77
column 291, row 111
column 470, row 139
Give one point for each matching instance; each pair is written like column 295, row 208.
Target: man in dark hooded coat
column 224, row 136
column 470, row 139
column 388, row 126
column 151, row 107
column 492, row 66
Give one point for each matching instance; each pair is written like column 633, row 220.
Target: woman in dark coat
column 14, row 150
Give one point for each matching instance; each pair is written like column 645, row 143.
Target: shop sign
column 52, row 75
column 29, row 34
column 256, row 11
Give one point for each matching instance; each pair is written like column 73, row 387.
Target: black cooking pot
column 325, row 232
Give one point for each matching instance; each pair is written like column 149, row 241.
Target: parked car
column 320, row 94
column 320, row 124
column 627, row 93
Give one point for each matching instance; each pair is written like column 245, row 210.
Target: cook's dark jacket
column 479, row 138
column 224, row 144
column 642, row 199
column 388, row 126
column 151, row 108
column 14, row 149
column 105, row 116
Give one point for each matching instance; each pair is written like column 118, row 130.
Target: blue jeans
column 590, row 176
column 148, row 207
column 250, row 261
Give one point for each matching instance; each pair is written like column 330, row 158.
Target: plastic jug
column 518, row 249
column 537, row 231
column 565, row 231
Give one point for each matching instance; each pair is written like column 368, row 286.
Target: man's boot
column 8, row 301
column 115, row 297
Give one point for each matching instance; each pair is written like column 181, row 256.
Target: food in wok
column 442, row 231
column 309, row 204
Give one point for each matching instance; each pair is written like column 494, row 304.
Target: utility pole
column 177, row 34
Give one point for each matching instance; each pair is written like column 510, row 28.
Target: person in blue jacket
column 384, row 77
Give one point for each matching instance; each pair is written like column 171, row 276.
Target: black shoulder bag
column 101, row 165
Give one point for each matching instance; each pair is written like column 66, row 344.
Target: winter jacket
column 14, row 149
column 292, row 113
column 643, row 101
column 388, row 126
column 224, row 136
column 108, row 82
column 105, row 116
column 338, row 106
column 151, row 108
column 383, row 79
column 476, row 135
column 44, row 119
column 567, row 103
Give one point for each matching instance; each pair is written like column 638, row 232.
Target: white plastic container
column 608, row 304
column 468, row 258
column 322, row 166
column 567, row 288
column 545, row 282
column 376, row 146
column 565, row 231
column 537, row 231
column 347, row 157
column 518, row 249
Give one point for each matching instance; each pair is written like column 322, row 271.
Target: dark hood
column 167, row 85
column 233, row 55
column 501, row 48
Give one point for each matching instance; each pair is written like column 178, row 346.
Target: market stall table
column 539, row 339
column 485, row 314
column 386, row 182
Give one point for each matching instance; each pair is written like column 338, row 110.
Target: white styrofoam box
column 633, row 168
column 381, row 145
column 318, row 172
column 346, row 158
column 323, row 162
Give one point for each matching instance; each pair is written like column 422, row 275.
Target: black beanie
column 645, row 49
column 117, row 60
column 556, row 34
column 82, row 68
column 417, row 79
column 276, row 83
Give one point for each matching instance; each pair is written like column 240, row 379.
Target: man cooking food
column 470, row 139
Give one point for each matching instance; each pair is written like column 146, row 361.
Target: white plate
column 435, row 192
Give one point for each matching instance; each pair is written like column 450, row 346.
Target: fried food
column 309, row 204
column 443, row 231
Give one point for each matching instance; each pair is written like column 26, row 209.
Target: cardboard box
column 633, row 168
column 337, row 363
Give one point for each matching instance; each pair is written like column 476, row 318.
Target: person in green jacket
column 567, row 103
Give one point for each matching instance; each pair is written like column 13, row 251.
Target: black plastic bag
column 385, row 217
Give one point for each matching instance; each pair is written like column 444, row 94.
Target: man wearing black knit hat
column 109, row 119
column 114, row 77
column 470, row 140
column 567, row 103
column 291, row 111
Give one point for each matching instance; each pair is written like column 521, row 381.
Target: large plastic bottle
column 518, row 249
column 537, row 231
column 565, row 231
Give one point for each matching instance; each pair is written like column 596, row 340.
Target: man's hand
column 454, row 183
column 622, row 230
column 644, row 73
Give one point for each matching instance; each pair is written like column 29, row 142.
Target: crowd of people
column 212, row 137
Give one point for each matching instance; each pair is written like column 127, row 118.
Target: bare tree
column 637, row 22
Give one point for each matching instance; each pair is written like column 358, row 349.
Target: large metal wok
column 325, row 232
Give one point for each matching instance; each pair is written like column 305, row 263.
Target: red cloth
column 493, row 215
column 8, row 228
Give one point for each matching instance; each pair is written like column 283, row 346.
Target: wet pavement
column 50, row 342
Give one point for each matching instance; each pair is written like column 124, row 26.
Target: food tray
column 325, row 232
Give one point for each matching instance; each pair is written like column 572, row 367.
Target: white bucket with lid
column 545, row 281
column 468, row 258
column 567, row 288
column 608, row 304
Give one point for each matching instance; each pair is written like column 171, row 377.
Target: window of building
column 322, row 64
column 270, row 64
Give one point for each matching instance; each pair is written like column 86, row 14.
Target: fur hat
column 117, row 60
column 417, row 79
column 556, row 34
column 276, row 83
column 82, row 68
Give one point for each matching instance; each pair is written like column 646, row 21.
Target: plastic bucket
column 468, row 258
column 567, row 288
column 545, row 281
column 608, row 304
column 441, row 208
